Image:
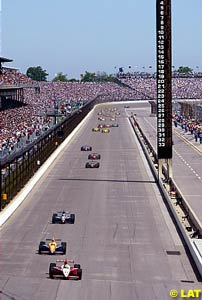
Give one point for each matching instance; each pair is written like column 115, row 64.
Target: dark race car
column 86, row 148
column 115, row 125
column 65, row 271
column 92, row 164
column 52, row 247
column 94, row 156
column 101, row 119
column 63, row 217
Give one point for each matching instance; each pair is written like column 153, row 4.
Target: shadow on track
column 107, row 180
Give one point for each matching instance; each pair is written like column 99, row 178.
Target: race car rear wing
column 63, row 260
column 57, row 240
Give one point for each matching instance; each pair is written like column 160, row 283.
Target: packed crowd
column 175, row 74
column 20, row 122
column 182, row 88
column 11, row 76
column 189, row 126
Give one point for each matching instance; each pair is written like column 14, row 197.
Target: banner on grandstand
column 164, row 84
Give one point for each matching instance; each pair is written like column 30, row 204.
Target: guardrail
column 179, row 208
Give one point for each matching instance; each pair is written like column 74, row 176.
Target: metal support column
column 164, row 85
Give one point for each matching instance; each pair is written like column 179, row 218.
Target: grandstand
column 24, row 101
column 11, row 95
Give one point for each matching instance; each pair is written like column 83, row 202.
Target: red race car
column 94, row 156
column 65, row 271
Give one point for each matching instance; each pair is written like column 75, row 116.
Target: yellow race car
column 105, row 130
column 96, row 129
column 52, row 247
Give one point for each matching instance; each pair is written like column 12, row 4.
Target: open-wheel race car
column 92, row 164
column 95, row 129
column 115, row 125
column 65, row 271
column 101, row 118
column 107, row 126
column 94, row 156
column 105, row 130
column 86, row 148
column 63, row 217
column 100, row 126
column 52, row 247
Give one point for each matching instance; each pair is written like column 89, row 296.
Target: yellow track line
column 188, row 143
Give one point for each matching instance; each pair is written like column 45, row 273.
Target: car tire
column 41, row 245
column 64, row 247
column 52, row 265
column 72, row 218
column 53, row 218
column 77, row 266
column 79, row 274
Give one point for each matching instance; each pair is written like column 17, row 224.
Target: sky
column 96, row 36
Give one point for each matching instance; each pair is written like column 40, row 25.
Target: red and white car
column 65, row 271
column 94, row 156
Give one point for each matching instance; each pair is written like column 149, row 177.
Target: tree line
column 38, row 74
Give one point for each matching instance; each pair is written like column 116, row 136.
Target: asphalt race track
column 123, row 236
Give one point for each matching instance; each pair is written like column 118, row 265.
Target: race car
column 106, row 126
column 95, row 129
column 92, row 164
column 63, row 217
column 52, row 247
column 86, row 148
column 65, row 271
column 94, row 156
column 105, row 130
column 100, row 126
column 115, row 125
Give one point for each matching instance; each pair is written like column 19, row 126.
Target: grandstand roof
column 10, row 68
column 9, row 87
column 3, row 60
